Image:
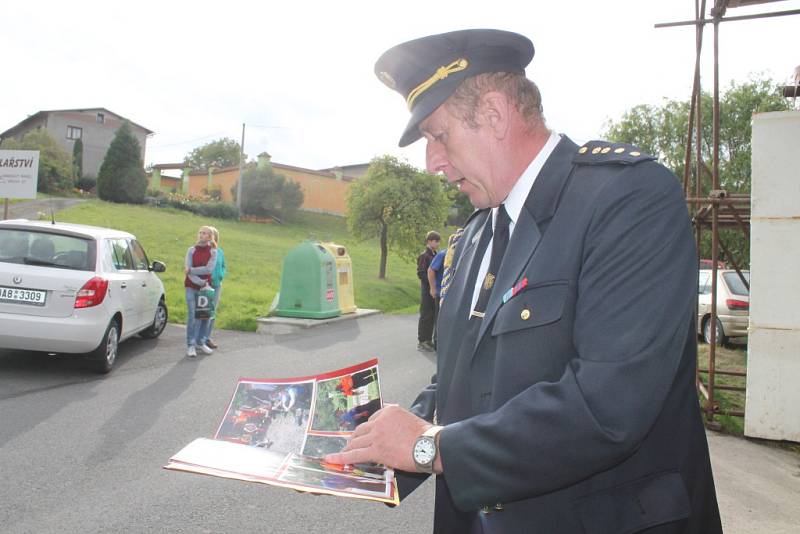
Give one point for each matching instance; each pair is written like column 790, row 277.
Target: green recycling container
column 308, row 283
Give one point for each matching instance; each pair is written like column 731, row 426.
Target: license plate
column 21, row 295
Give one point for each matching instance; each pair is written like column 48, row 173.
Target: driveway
column 31, row 209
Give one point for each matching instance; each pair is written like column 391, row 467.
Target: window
column 735, row 283
column 101, row 118
column 121, row 254
column 73, row 132
column 139, row 257
column 67, row 252
column 704, row 284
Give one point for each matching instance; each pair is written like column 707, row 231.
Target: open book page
column 276, row 431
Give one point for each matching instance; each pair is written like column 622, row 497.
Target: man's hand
column 387, row 438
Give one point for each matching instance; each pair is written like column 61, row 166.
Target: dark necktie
column 499, row 243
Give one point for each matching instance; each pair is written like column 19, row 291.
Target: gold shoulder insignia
column 606, row 153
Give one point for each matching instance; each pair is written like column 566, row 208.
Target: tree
column 661, row 131
column 268, row 194
column 398, row 204
column 55, row 167
column 220, row 153
column 121, row 177
column 77, row 159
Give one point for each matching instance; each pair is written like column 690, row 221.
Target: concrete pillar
column 773, row 359
column 155, row 180
column 185, row 181
column 263, row 161
column 210, row 181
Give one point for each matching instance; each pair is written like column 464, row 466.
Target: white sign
column 19, row 173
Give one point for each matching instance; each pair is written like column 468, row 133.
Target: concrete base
column 289, row 325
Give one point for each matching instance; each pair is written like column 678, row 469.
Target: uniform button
column 486, row 509
column 619, row 150
column 596, row 150
column 525, row 314
column 583, row 150
column 498, row 507
column 636, row 154
column 606, row 150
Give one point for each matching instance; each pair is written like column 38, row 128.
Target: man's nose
column 435, row 159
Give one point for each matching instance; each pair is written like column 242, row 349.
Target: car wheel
column 722, row 339
column 159, row 322
column 105, row 354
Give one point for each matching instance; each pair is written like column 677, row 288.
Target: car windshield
column 32, row 247
column 735, row 283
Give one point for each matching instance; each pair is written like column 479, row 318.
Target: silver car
column 71, row 288
column 733, row 305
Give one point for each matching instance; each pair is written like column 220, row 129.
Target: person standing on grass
column 220, row 269
column 201, row 258
column 427, row 305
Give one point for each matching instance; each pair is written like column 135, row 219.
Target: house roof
column 44, row 113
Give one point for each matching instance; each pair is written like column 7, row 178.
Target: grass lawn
column 730, row 358
column 254, row 254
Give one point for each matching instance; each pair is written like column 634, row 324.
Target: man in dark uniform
column 427, row 304
column 564, row 400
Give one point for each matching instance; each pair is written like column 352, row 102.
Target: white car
column 72, row 288
column 733, row 305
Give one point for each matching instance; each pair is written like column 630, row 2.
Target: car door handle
column 144, row 284
column 123, row 285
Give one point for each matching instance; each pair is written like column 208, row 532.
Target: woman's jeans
column 196, row 329
column 217, row 293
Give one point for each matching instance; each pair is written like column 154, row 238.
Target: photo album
column 277, row 432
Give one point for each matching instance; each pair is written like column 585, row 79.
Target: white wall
column 773, row 360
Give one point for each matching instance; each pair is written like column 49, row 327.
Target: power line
column 188, row 141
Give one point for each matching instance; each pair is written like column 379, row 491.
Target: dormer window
column 101, row 118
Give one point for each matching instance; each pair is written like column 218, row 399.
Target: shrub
column 198, row 205
column 267, row 194
column 122, row 177
column 86, row 183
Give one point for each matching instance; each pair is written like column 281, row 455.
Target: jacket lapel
column 454, row 313
column 539, row 208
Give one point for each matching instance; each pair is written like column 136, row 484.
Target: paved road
column 31, row 209
column 82, row 453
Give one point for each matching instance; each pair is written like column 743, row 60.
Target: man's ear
column 495, row 109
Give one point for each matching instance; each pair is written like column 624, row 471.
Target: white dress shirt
column 513, row 203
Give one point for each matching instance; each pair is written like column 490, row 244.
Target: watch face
column 424, row 451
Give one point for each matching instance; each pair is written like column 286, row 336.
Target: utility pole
column 241, row 165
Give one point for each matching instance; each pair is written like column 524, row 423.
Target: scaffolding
column 718, row 208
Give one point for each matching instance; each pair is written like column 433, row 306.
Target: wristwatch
column 425, row 450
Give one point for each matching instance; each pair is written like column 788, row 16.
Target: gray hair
column 521, row 91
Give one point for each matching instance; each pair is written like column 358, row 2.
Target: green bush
column 122, row 177
column 86, row 183
column 219, row 210
column 268, row 194
column 199, row 206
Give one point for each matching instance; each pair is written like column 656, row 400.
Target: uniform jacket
column 576, row 410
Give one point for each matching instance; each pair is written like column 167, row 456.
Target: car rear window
column 735, row 283
column 46, row 249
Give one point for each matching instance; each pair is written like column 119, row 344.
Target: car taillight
column 92, row 293
column 735, row 304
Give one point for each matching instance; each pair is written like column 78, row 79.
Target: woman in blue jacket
column 220, row 268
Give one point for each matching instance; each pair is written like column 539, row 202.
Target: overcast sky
column 300, row 73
